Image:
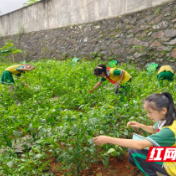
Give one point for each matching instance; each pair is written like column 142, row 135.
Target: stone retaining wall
column 50, row 14
column 141, row 37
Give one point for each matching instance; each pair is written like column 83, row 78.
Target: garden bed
column 65, row 126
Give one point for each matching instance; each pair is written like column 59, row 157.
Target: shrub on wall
column 30, row 2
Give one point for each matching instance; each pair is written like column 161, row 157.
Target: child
column 160, row 109
column 7, row 78
column 114, row 75
column 165, row 73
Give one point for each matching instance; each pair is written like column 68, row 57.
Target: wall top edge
column 24, row 7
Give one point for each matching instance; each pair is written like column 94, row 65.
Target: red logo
column 161, row 154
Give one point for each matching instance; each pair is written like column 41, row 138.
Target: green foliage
column 20, row 30
column 61, row 117
column 138, row 47
column 165, row 52
column 95, row 55
column 157, row 11
column 8, row 48
column 116, row 25
column 102, row 36
column 30, row 2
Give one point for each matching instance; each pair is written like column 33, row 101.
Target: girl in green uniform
column 114, row 75
column 160, row 109
column 7, row 78
column 165, row 73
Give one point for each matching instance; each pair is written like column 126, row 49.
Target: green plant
column 60, row 131
column 117, row 30
column 30, row 2
column 138, row 47
column 157, row 11
column 164, row 52
column 20, row 30
column 102, row 36
column 24, row 53
column 95, row 55
column 9, row 48
column 116, row 25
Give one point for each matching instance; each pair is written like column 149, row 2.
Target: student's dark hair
column 98, row 70
column 161, row 101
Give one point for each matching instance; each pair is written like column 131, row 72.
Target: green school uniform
column 165, row 73
column 115, row 72
column 7, row 78
column 165, row 137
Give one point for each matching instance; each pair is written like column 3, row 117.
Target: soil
column 116, row 167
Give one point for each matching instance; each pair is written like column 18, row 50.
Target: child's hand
column 91, row 91
column 117, row 83
column 100, row 140
column 134, row 124
column 28, row 67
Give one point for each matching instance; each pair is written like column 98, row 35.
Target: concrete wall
column 50, row 14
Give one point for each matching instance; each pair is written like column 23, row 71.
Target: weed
column 20, row 30
column 157, row 11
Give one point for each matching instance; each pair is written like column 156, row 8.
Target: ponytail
column 100, row 69
column 170, row 115
column 160, row 101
